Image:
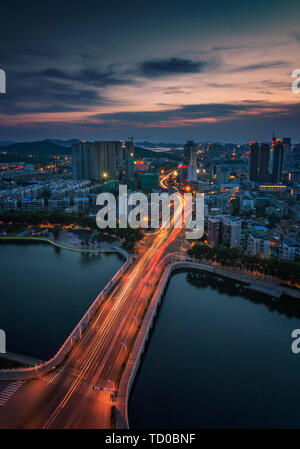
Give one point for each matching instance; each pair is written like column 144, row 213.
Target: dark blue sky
column 170, row 70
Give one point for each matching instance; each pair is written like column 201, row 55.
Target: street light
column 113, row 383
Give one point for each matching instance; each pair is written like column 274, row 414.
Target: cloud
column 171, row 66
column 230, row 47
column 93, row 77
column 258, row 66
column 186, row 113
column 26, row 94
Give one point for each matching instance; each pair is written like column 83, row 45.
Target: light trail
column 124, row 309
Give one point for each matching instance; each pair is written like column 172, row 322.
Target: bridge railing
column 77, row 331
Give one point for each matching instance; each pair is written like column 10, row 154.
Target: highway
column 78, row 394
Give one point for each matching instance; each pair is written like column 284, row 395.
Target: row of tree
column 287, row 270
column 76, row 219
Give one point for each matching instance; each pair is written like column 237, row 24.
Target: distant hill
column 43, row 147
column 63, row 143
column 6, row 143
column 147, row 144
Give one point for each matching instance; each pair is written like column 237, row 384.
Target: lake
column 45, row 291
column 218, row 358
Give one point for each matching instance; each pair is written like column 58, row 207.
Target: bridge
column 80, row 386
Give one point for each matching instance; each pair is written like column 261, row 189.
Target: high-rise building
column 191, row 159
column 104, row 160
column 277, row 162
column 129, row 161
column 286, row 141
column 263, row 163
column 119, row 153
column 190, row 152
column 82, row 160
column 259, row 162
column 214, row 225
column 222, row 174
column 231, row 231
column 254, row 161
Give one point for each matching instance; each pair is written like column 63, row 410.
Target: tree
column 56, row 231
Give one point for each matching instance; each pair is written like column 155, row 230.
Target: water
column 44, row 292
column 217, row 359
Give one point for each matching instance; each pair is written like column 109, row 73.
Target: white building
column 258, row 245
column 81, row 204
column 8, row 204
column 32, row 205
column 290, row 249
column 54, row 203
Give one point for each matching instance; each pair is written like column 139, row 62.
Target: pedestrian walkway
column 9, row 391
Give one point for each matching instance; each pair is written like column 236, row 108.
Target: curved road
column 78, row 393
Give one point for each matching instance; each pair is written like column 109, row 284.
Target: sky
column 163, row 71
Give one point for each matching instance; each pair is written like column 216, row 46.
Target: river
column 218, row 358
column 44, row 292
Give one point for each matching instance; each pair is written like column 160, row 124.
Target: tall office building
column 286, row 147
column 222, row 174
column 82, row 160
column 213, row 235
column 129, row 161
column 259, row 162
column 263, row 164
column 189, row 151
column 191, row 159
column 119, row 153
column 104, row 160
column 277, row 161
column 254, row 161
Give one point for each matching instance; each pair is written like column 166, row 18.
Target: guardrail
column 75, row 334
column 171, row 263
column 61, row 246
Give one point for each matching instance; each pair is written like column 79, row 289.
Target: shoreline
column 135, row 358
column 58, row 245
column 77, row 331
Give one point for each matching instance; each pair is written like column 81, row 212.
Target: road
column 65, row 397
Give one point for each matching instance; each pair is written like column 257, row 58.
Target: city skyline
column 169, row 72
